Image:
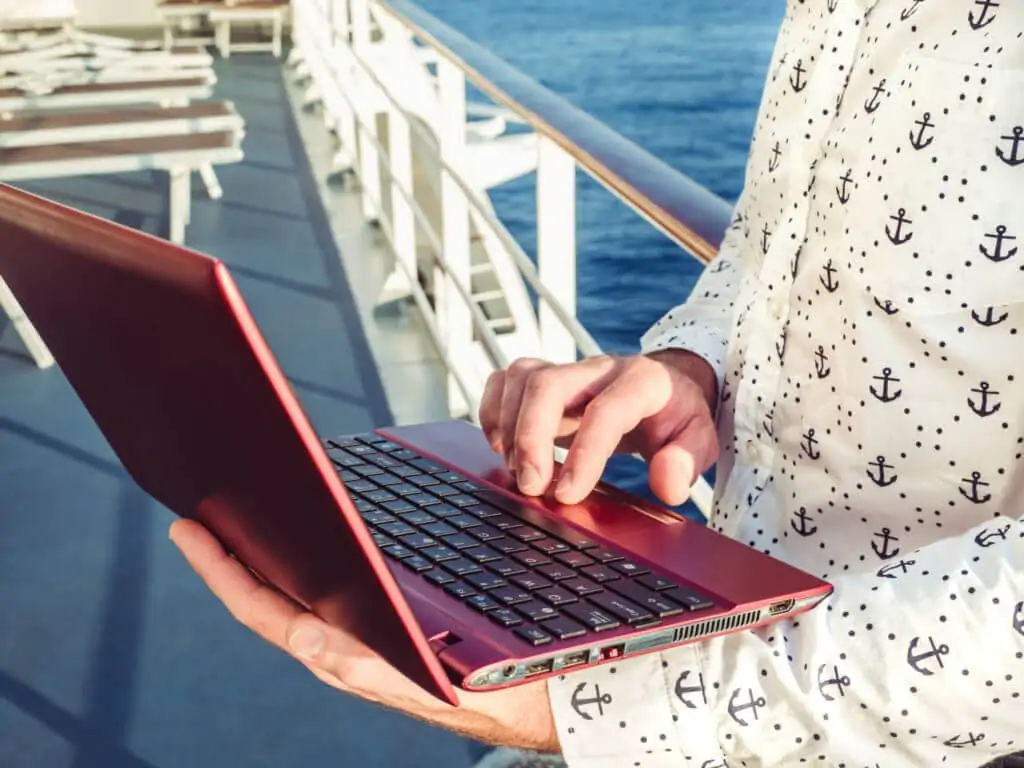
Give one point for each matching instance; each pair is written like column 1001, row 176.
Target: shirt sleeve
column 918, row 663
column 703, row 323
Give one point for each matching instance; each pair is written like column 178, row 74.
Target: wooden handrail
column 690, row 214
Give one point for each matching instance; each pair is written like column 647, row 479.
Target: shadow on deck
column 112, row 653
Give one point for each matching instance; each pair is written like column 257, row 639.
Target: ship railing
column 392, row 81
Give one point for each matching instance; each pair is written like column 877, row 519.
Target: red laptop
column 411, row 538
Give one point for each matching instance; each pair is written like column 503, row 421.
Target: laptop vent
column 716, row 626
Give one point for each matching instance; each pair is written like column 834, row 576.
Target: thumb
column 307, row 639
column 674, row 468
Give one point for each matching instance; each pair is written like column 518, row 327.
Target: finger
column 675, row 467
column 511, row 395
column 490, row 410
column 259, row 607
column 547, row 395
column 616, row 411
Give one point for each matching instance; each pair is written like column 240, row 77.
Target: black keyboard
column 535, row 576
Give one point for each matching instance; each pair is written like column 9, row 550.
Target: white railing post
column 556, row 246
column 369, row 163
column 403, row 218
column 454, row 318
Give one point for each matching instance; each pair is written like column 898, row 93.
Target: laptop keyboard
column 540, row 579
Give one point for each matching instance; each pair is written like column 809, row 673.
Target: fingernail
column 529, row 479
column 307, row 642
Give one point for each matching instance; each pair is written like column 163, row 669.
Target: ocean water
column 680, row 78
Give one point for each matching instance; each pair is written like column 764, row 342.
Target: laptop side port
column 539, row 667
column 613, row 652
column 575, row 659
column 781, row 607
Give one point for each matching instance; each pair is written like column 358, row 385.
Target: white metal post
column 29, row 336
column 403, row 220
column 556, row 245
column 454, row 318
column 369, row 163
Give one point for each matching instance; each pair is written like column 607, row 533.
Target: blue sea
column 681, row 78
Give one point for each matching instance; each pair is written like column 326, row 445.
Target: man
column 857, row 344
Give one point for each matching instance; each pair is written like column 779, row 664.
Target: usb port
column 784, row 606
column 575, row 659
column 539, row 667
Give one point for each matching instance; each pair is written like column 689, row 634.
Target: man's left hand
column 516, row 717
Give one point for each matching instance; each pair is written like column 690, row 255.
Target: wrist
column 693, row 367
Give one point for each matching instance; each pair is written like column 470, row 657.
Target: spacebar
column 537, row 518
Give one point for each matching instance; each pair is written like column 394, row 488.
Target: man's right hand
column 660, row 406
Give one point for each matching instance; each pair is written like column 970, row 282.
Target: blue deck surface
column 112, row 653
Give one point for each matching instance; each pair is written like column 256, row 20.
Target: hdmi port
column 539, row 667
column 784, row 606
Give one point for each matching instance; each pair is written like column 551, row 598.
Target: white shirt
column 866, row 318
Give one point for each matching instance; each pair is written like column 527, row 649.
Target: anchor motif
column 753, row 705
column 887, row 538
column 843, row 191
column 1018, row 618
column 713, row 764
column 986, row 537
column 887, row 571
column 579, row 703
column 764, row 238
column 982, row 19
column 886, row 378
column 839, row 682
column 897, row 237
column 969, row 741
column 873, row 103
column 918, row 141
column 755, row 494
column 988, row 319
column 983, row 408
column 795, row 262
column 1000, row 237
column 726, row 393
column 780, row 345
column 827, row 281
column 915, row 660
column 768, row 423
column 798, row 82
column 773, row 163
column 910, row 10
column 720, row 266
column 974, row 482
column 820, row 358
column 804, row 529
column 682, row 690
column 832, row 5
column 882, row 481
column 886, row 306
column 810, row 441
column 1015, row 156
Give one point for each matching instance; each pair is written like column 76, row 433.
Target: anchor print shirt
column 866, row 318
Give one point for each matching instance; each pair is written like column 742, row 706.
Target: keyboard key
column 689, row 599
column 579, row 541
column 423, row 481
column 397, row 528
column 347, row 476
column 438, row 529
column 506, row 617
column 460, row 541
column 439, row 577
column 460, row 567
column 466, row 485
column 444, row 491
column 404, row 454
column 463, row 522
column 603, row 555
column 654, row 602
column 506, row 567
column 485, row 581
column 557, row 572
column 451, row 477
column 362, row 505
column 388, row 481
column 592, row 617
column 581, row 587
column 379, row 497
column 503, row 522
column 657, row 583
column 422, row 499
column 511, row 595
column 629, row 568
column 417, row 517
column 532, row 559
column 524, row 533
column 462, row 500
column 564, row 628
column 383, row 461
column 367, row 471
column 556, row 596
column 600, row 573
column 537, row 611
column 621, row 608
column 398, row 506
column 418, row 541
column 426, row 465
column 363, row 486
column 482, row 603
column 483, row 511
column 508, row 546
column 417, row 563
column 533, row 635
column 481, row 554
column 439, row 554
column 445, row 511
column 403, row 471
column 397, row 551
column 548, row 546
column 486, row 533
column 377, row 517
column 459, row 590
column 342, row 442
column 358, row 449
column 530, row 581
column 370, row 438
column 574, row 559
column 381, row 540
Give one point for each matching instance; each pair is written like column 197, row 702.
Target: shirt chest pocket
column 938, row 225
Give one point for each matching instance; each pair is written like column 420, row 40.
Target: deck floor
column 112, row 653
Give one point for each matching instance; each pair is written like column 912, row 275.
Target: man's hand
column 517, row 717
column 659, row 406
